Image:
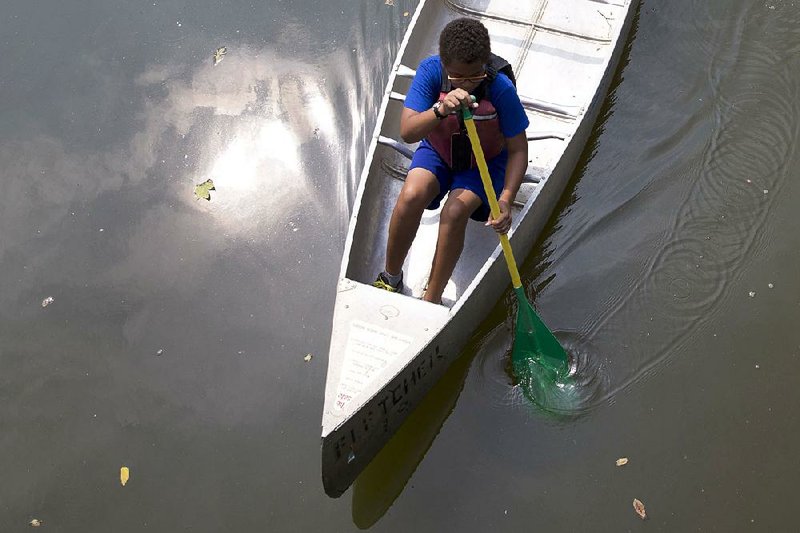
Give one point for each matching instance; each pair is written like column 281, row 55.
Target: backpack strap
column 496, row 65
column 445, row 85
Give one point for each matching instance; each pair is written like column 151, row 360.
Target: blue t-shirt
column 427, row 84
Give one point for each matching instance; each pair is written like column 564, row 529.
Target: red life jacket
column 487, row 122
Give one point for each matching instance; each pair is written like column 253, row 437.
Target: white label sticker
column 368, row 351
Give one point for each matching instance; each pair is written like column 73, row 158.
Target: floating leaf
column 124, row 475
column 638, row 506
column 307, row 358
column 219, row 54
column 202, row 190
column 622, row 461
column 35, row 522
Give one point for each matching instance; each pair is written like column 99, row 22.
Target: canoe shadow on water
column 384, row 479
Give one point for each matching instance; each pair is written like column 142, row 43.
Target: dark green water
column 175, row 340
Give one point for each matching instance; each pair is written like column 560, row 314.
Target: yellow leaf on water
column 622, row 461
column 203, row 190
column 639, row 508
column 124, row 475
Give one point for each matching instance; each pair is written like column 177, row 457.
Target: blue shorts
column 426, row 157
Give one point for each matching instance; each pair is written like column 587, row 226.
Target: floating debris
column 219, row 54
column 751, row 294
column 405, row 13
column 638, row 506
column 389, row 2
column 47, row 301
column 124, row 475
column 307, row 358
column 622, row 461
column 770, row 285
column 160, row 351
column 203, row 190
column 35, row 522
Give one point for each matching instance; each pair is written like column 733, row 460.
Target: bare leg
column 460, row 204
column 420, row 188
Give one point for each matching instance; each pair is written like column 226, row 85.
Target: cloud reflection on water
column 264, row 128
column 283, row 138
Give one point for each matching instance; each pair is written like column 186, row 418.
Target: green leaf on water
column 203, row 190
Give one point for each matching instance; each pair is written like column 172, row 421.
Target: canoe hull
column 434, row 336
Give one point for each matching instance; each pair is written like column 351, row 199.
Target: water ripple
column 723, row 218
column 707, row 170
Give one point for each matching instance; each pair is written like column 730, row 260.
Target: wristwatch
column 436, row 112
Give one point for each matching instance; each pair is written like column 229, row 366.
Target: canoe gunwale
column 362, row 183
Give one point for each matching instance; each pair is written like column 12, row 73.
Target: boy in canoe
column 443, row 162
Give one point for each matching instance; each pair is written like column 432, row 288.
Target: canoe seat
column 531, row 179
column 408, row 151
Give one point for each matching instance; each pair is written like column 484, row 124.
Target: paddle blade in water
column 533, row 341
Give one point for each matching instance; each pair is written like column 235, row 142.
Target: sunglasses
column 472, row 79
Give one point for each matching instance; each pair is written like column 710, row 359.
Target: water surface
column 176, row 338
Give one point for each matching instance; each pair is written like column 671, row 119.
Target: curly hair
column 465, row 40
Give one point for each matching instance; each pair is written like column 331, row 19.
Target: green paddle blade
column 534, row 342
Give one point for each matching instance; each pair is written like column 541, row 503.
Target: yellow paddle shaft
column 490, row 194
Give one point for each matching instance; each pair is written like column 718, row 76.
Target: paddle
column 532, row 340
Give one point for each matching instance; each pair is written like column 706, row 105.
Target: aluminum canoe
column 387, row 350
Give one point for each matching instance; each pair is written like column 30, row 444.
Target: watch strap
column 436, row 111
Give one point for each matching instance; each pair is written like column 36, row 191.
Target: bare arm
column 516, row 166
column 515, row 172
column 415, row 125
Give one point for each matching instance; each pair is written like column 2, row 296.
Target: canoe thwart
column 398, row 146
column 549, row 108
column 544, row 135
column 406, row 72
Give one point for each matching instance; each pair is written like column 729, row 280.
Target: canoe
column 387, row 350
